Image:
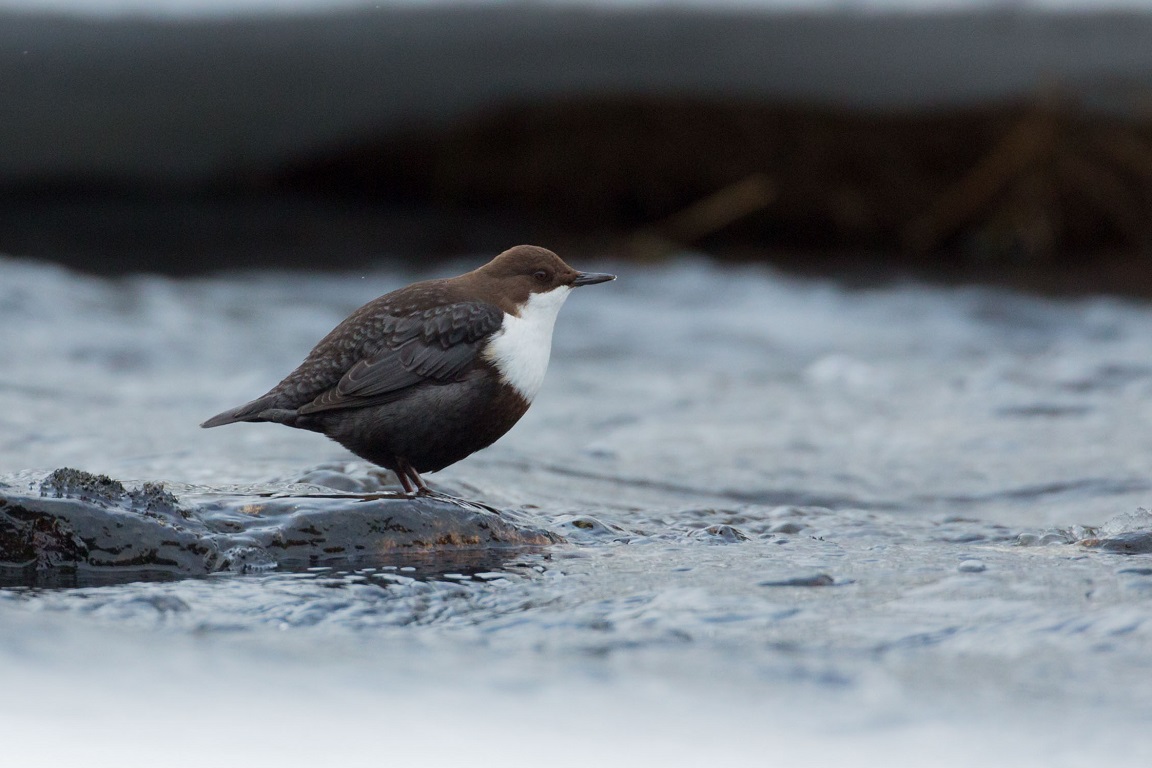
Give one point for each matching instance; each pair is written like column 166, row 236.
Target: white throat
column 521, row 348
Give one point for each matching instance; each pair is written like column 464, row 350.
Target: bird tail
column 262, row 409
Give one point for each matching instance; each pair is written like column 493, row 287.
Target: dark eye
column 541, row 275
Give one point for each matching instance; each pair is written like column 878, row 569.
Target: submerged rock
column 807, row 580
column 720, row 534
column 84, row 523
column 1128, row 534
column 1127, row 543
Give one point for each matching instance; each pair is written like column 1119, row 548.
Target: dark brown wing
column 437, row 345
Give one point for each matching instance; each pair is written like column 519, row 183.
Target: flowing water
column 804, row 523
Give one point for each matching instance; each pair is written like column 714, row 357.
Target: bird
column 426, row 375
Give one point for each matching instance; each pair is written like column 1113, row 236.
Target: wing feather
column 437, row 345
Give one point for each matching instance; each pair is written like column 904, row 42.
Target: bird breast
column 521, row 348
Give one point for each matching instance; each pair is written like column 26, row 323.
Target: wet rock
column 1129, row 533
column 971, row 566
column 74, row 484
column 150, row 498
column 588, row 528
column 84, row 523
column 1128, row 543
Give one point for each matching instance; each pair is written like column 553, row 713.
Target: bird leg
column 410, row 478
column 414, row 485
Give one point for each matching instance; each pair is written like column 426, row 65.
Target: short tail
column 257, row 410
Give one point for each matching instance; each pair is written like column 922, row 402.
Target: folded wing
column 436, row 346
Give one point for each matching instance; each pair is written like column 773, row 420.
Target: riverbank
column 1010, row 148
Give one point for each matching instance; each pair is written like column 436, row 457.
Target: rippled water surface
column 896, row 526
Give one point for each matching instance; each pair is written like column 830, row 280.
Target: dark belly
column 432, row 425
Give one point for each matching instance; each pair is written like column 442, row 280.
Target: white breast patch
column 521, row 348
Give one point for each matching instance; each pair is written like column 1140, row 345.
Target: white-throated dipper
column 426, row 375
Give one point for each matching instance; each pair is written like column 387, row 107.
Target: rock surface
column 87, row 524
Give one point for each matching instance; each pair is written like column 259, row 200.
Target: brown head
column 514, row 276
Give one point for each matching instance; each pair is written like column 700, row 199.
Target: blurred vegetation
column 1016, row 182
column 1045, row 194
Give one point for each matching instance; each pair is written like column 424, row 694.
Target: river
column 806, row 522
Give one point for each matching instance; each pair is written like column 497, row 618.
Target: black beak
column 591, row 278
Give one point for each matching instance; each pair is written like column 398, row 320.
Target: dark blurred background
column 996, row 141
